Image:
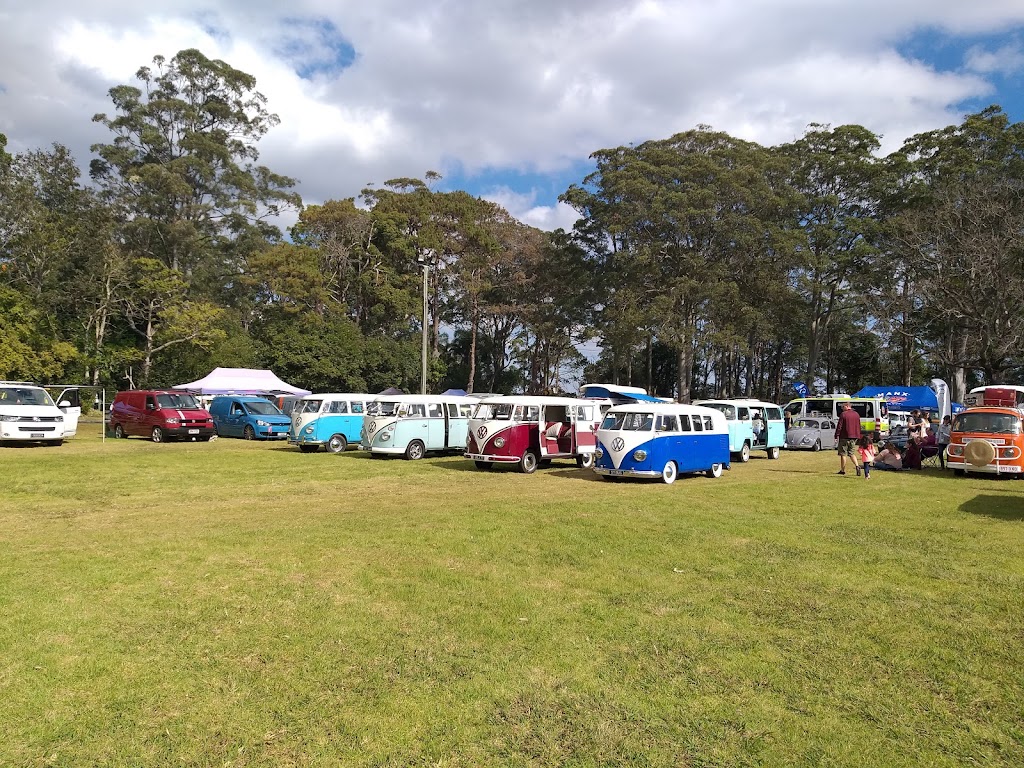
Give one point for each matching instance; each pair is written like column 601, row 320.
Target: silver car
column 811, row 433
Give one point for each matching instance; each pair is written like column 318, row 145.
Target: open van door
column 70, row 405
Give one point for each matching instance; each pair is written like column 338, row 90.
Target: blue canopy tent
column 903, row 398
column 456, row 392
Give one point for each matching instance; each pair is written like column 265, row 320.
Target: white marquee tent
column 238, row 381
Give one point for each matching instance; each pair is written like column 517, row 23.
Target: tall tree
column 182, row 165
column 836, row 172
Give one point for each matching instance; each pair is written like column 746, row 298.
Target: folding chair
column 930, row 457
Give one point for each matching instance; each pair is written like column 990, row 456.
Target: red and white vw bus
column 529, row 431
column 987, row 437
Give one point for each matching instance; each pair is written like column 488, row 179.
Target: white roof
column 536, row 400
column 425, row 398
column 339, row 396
column 740, row 401
column 240, row 381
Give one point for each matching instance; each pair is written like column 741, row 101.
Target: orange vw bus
column 986, row 438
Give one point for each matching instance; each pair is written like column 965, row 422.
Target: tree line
column 702, row 264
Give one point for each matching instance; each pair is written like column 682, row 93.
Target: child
column 866, row 449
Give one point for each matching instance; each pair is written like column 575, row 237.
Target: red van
column 160, row 415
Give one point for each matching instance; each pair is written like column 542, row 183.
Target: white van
column 28, row 414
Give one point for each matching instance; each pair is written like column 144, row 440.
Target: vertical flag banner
column 801, row 389
column 942, row 396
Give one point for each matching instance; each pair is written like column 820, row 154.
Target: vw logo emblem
column 35, row 418
column 618, row 444
column 373, row 426
column 481, row 432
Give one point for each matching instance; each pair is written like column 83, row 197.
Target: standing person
column 942, row 438
column 866, row 449
column 847, row 435
column 917, row 425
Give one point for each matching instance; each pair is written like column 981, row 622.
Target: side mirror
column 64, row 404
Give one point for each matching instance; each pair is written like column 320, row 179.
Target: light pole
column 424, row 261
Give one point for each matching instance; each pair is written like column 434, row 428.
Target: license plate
column 36, row 436
column 615, row 472
column 193, row 431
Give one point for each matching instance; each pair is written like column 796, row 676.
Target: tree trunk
column 472, row 355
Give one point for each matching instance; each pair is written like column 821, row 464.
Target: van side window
column 668, row 423
column 698, row 425
column 150, row 402
column 236, row 409
column 355, row 407
column 531, row 413
column 744, row 414
column 772, row 414
column 435, row 411
column 337, row 406
column 585, row 412
column 707, row 424
column 415, row 410
column 684, row 423
column 453, row 410
column 465, row 409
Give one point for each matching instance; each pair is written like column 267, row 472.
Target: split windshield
column 991, row 423
column 628, row 421
column 382, row 408
column 177, row 401
column 24, row 396
column 725, row 408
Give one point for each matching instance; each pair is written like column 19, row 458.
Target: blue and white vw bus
column 661, row 440
column 754, row 425
column 414, row 425
column 332, row 420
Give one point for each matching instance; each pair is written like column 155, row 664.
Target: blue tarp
column 456, row 392
column 903, row 398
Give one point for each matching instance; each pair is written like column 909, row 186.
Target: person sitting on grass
column 889, row 458
column 912, row 456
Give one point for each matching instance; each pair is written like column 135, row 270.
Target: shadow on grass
column 998, row 507
column 587, row 475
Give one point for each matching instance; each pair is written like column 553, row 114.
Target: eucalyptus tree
column 690, row 214
column 182, row 167
column 962, row 232
column 837, row 174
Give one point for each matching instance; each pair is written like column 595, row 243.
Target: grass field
column 243, row 604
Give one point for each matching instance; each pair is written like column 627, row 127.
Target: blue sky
column 508, row 98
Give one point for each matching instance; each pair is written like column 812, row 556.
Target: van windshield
column 382, row 408
column 24, row 396
column 993, row 423
column 496, row 411
column 628, row 421
column 176, row 400
column 308, row 406
column 725, row 408
column 263, row 408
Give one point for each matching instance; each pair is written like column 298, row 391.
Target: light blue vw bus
column 661, row 440
column 414, row 425
column 333, row 420
column 754, row 425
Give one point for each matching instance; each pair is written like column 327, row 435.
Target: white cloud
column 525, row 208
column 1005, row 60
column 531, row 87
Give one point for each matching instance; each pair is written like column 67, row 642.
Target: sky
column 507, row 99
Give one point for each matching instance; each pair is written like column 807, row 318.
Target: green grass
column 245, row 604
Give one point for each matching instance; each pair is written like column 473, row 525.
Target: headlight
column 499, row 442
column 172, row 421
column 309, row 430
column 598, row 454
column 956, row 450
column 385, row 437
column 806, row 440
column 1008, row 453
column 262, row 423
column 639, row 455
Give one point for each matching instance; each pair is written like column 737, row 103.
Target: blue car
column 249, row 417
